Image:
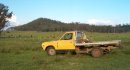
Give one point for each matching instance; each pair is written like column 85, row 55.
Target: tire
column 51, row 51
column 97, row 52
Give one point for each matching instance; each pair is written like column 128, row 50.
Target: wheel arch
column 49, row 47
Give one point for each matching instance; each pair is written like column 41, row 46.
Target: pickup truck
column 77, row 42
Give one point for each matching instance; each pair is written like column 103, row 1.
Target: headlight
column 42, row 45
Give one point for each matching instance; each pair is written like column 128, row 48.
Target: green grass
column 22, row 51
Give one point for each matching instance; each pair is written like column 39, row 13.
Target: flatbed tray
column 98, row 43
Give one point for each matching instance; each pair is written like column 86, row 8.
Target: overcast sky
column 100, row 12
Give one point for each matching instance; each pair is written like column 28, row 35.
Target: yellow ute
column 76, row 41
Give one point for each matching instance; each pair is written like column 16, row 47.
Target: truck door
column 66, row 42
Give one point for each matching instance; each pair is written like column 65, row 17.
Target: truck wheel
column 51, row 51
column 97, row 52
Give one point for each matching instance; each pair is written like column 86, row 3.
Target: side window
column 67, row 36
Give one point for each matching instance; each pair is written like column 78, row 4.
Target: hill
column 45, row 25
column 41, row 24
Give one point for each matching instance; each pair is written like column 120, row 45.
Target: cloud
column 13, row 20
column 101, row 22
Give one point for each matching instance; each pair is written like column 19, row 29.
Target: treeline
column 46, row 25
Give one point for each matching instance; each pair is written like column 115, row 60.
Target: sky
column 99, row 12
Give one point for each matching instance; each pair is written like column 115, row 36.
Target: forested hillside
column 45, row 25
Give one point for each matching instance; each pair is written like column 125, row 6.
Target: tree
column 4, row 14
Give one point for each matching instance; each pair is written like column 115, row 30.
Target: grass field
column 22, row 51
